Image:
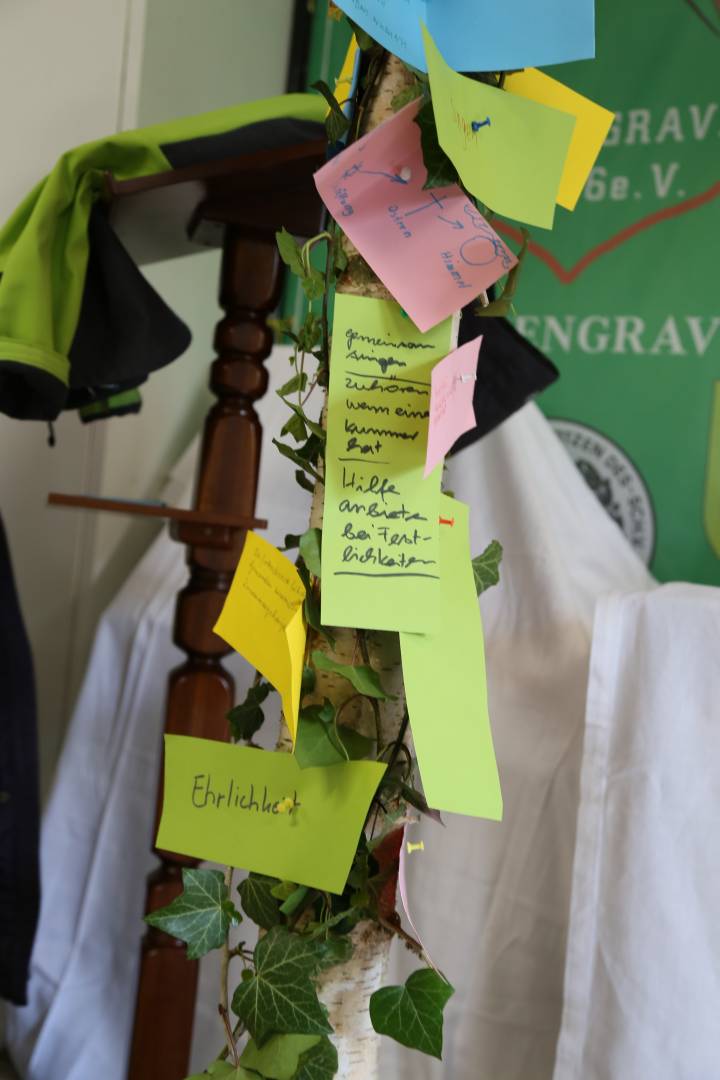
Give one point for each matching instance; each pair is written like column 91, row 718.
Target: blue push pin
column 477, row 124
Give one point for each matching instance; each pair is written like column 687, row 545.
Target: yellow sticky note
column 262, row 620
column 592, row 123
column 346, row 79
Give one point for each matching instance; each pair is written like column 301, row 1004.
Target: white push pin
column 415, row 847
column 406, row 173
column 468, row 378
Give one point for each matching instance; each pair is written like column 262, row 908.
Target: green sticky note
column 380, row 528
column 259, row 810
column 446, row 690
column 510, row 151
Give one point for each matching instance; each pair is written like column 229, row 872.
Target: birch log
column 346, row 989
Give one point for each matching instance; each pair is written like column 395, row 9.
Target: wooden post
column 200, row 690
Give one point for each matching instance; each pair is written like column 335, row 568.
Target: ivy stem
column 374, row 704
column 225, row 962
column 230, row 1036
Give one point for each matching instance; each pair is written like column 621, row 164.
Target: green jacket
column 44, row 251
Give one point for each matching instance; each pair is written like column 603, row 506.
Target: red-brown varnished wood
column 200, row 691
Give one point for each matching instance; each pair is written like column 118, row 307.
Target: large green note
column 380, row 528
column 445, row 686
column 260, row 811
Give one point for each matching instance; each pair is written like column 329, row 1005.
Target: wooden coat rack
column 238, row 203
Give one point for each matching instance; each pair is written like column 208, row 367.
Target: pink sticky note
column 432, row 249
column 452, row 385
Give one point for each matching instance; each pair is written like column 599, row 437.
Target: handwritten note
column 452, row 385
column 513, row 162
column 432, row 249
column 380, row 533
column 262, row 620
column 481, row 35
column 445, row 685
column 592, row 124
column 260, row 811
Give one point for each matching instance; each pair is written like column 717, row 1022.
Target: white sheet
column 642, row 988
column 491, row 900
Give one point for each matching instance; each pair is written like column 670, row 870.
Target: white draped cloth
column 492, row 901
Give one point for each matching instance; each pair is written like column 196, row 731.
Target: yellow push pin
column 285, row 804
column 415, row 847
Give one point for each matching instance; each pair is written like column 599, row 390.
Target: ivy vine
column 275, row 1005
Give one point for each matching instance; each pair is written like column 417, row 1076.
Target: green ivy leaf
column 320, row 742
column 258, row 902
column 486, row 567
column 281, row 997
column 311, row 605
column 295, row 426
column 221, row 1070
column 295, row 456
column 201, row 915
column 303, row 481
column 290, row 252
column 416, row 799
column 278, row 1058
column 503, row 305
column 413, row 1014
column 335, row 950
column 283, row 889
column 309, row 679
column 247, row 718
column 311, row 424
column 440, row 169
column 336, row 122
column 297, row 383
column 310, row 549
column 362, row 678
column 292, row 540
column 320, row 1063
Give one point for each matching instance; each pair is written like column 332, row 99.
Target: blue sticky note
column 481, row 35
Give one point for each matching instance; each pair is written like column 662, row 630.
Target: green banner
column 623, row 293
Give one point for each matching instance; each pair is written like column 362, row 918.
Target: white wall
column 71, row 71
column 61, row 67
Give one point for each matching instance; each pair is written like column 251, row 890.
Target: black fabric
column 125, row 329
column 19, row 812
column 30, row 393
column 510, row 371
column 250, row 139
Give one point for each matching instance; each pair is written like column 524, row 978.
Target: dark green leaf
column 280, row 996
column 298, row 382
column 413, row 1014
column 336, row 122
column 486, row 567
column 278, row 1058
column 309, row 679
column 292, row 540
column 258, row 902
column 313, row 284
column 295, row 426
column 294, row 455
column 365, row 42
column 290, row 252
column 363, row 678
column 320, row 1063
column 201, row 915
column 303, row 481
column 340, row 258
column 311, row 606
column 247, row 718
column 312, row 425
column 310, row 549
column 440, row 169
